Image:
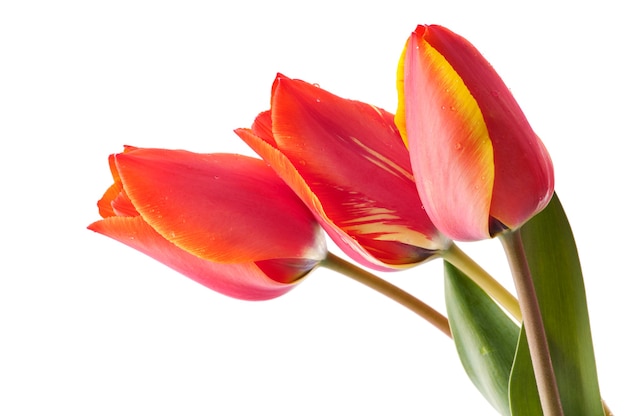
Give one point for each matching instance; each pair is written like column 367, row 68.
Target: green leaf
column 553, row 261
column 523, row 387
column 485, row 337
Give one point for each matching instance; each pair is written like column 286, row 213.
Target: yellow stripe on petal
column 383, row 162
column 400, row 117
column 384, row 224
column 461, row 102
column 450, row 147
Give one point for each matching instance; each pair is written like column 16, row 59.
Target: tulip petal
column 448, row 141
column 354, row 160
column 467, row 134
column 400, row 117
column 239, row 280
column 346, row 160
column 115, row 202
column 105, row 204
column 290, row 175
column 516, row 148
column 210, row 205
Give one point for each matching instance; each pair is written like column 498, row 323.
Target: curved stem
column 533, row 322
column 348, row 269
column 467, row 265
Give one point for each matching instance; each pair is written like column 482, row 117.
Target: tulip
column 226, row 221
column 347, row 162
column 479, row 167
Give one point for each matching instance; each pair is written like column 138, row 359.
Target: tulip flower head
column 227, row 221
column 347, row 162
column 479, row 167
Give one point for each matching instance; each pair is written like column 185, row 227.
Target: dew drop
column 458, row 146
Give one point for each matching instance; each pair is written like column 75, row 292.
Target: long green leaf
column 523, row 387
column 485, row 337
column 553, row 261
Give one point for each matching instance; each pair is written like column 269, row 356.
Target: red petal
column 219, row 207
column 105, row 207
column 123, row 207
column 517, row 149
column 115, row 202
column 449, row 144
column 290, row 175
column 347, row 161
column 243, row 280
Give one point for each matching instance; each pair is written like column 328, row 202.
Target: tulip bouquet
column 457, row 162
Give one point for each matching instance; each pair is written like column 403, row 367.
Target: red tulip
column 347, row 162
column 479, row 166
column 226, row 221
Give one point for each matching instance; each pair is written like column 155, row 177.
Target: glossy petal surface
column 226, row 221
column 347, row 161
column 288, row 172
column 471, row 146
column 219, row 207
column 242, row 280
column 449, row 145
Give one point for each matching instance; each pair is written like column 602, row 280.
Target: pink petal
column 239, row 280
column 524, row 178
column 451, row 153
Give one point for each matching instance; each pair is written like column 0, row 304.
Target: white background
column 91, row 327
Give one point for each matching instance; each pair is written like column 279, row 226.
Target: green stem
column 348, row 269
column 467, row 265
column 533, row 322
